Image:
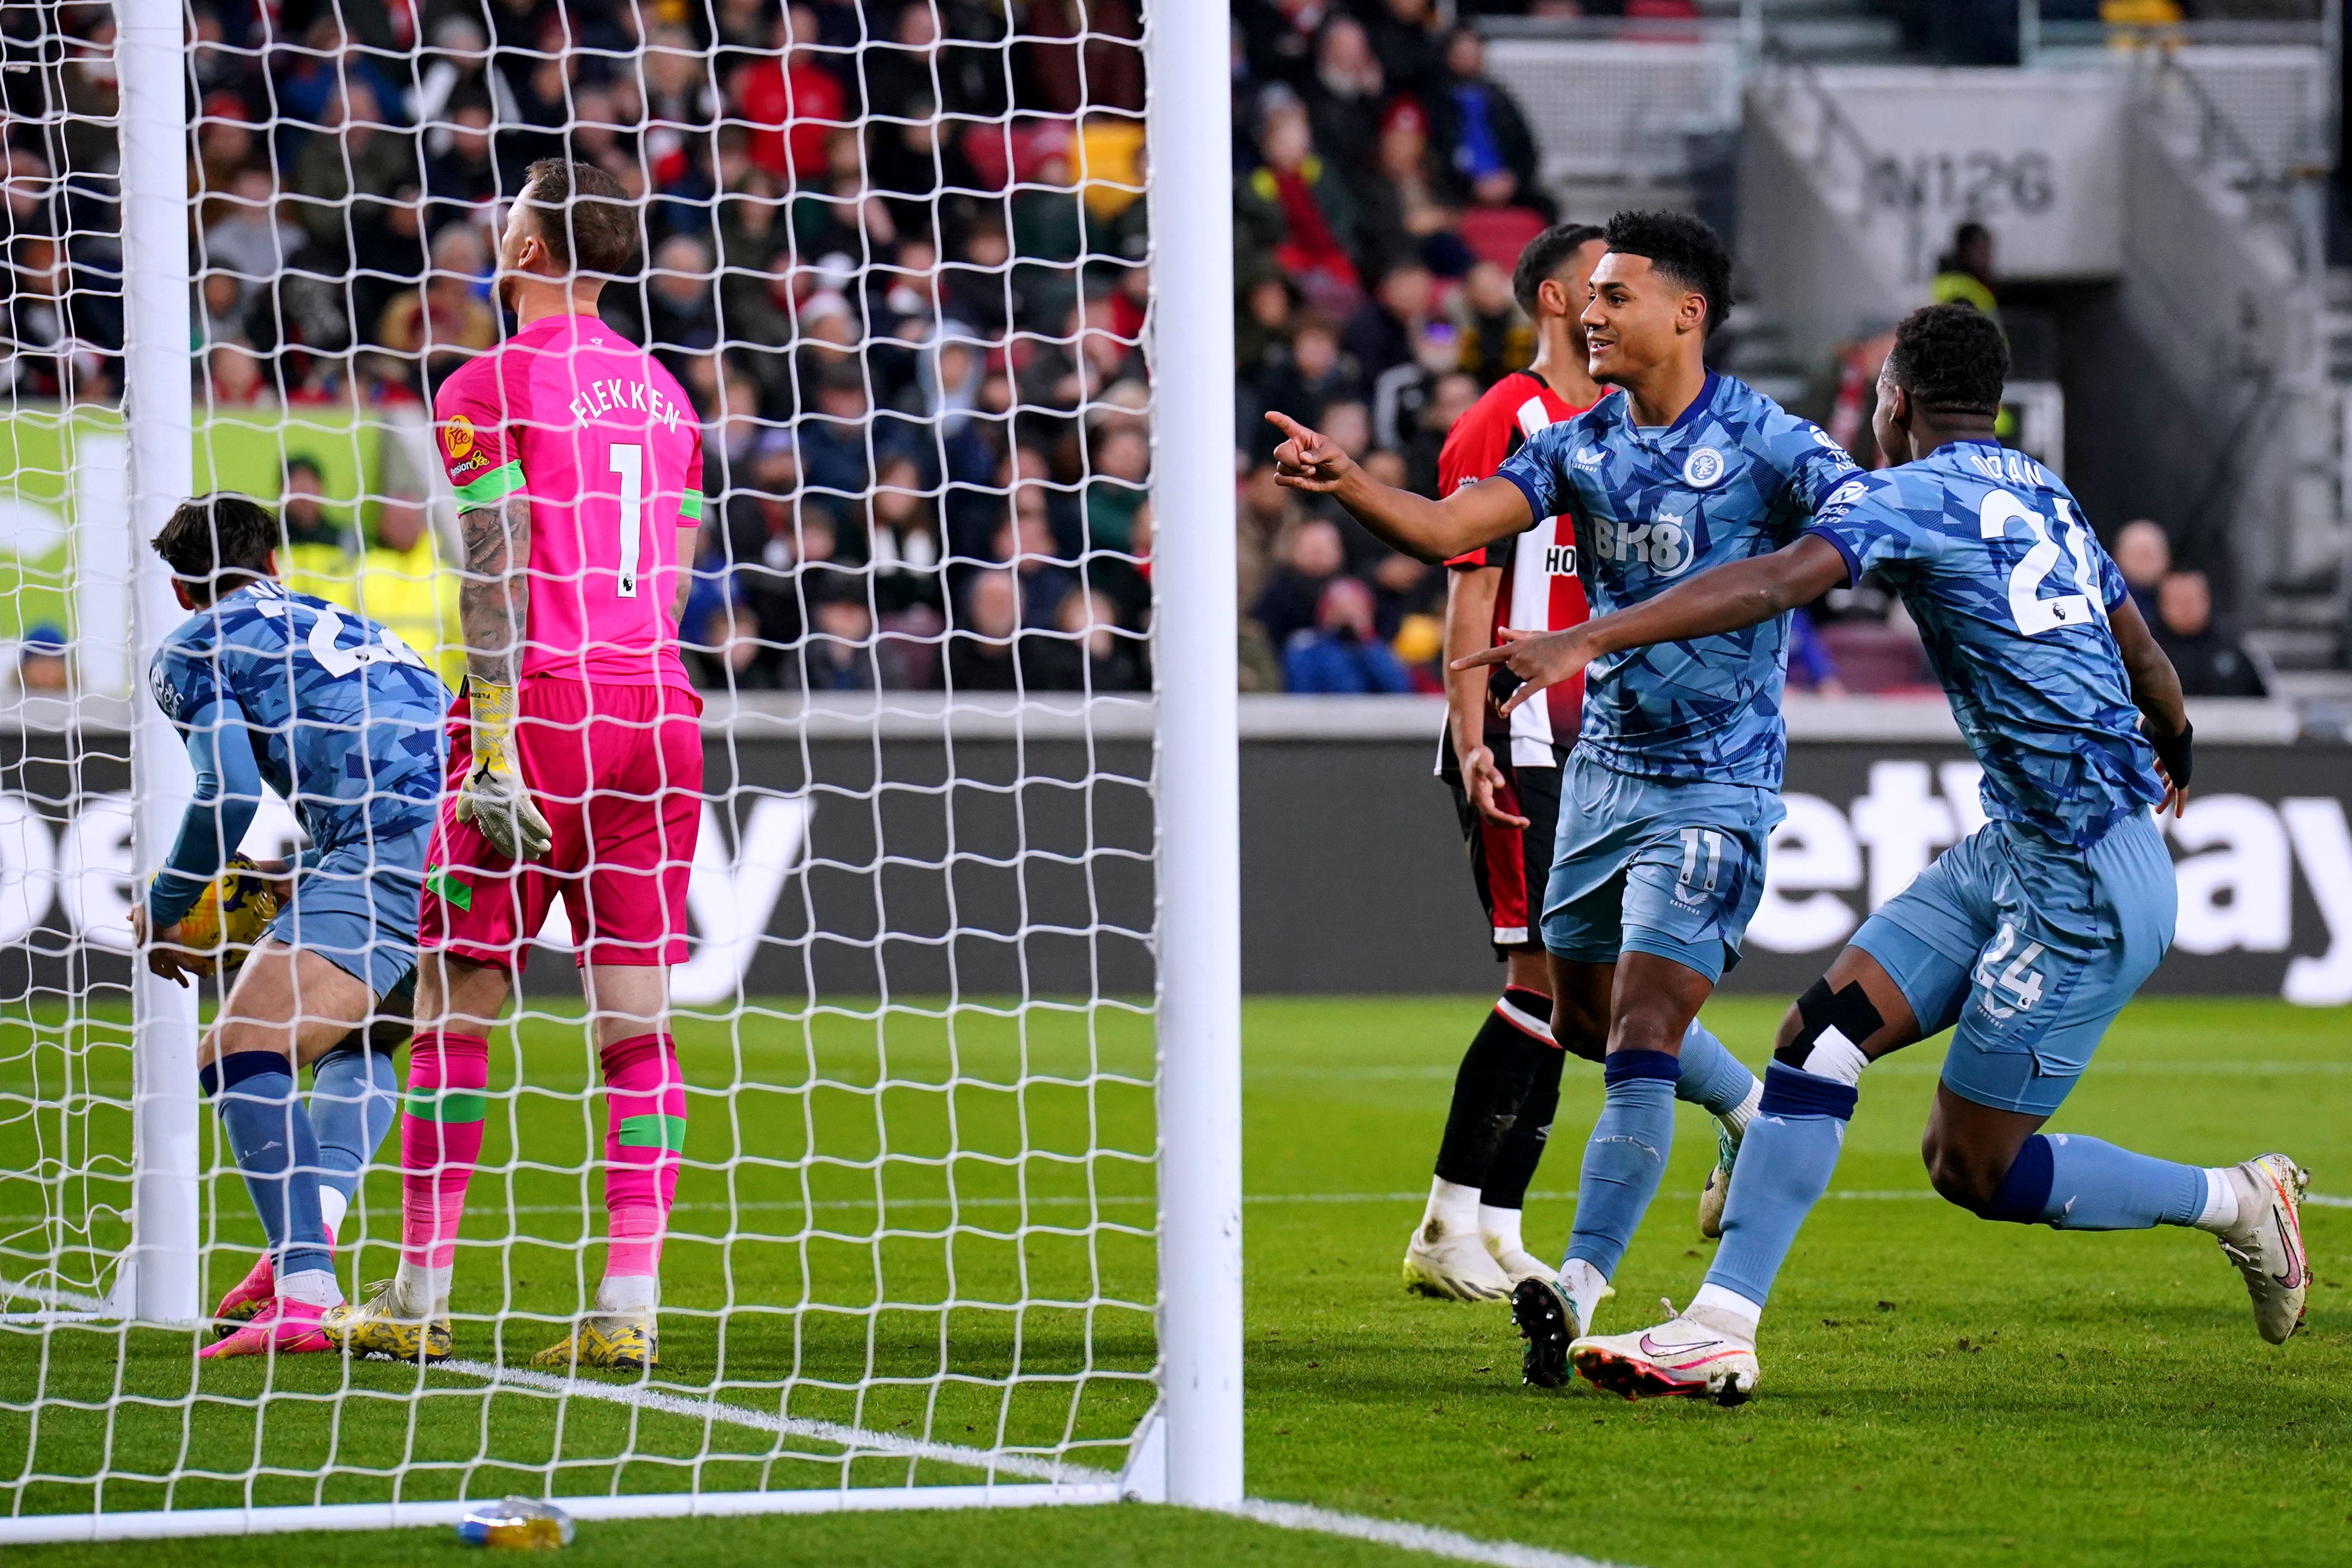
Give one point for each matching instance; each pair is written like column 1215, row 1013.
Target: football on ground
column 1937, row 1390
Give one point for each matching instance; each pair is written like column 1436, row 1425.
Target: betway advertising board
column 837, row 863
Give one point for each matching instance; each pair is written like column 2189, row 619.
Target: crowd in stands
column 894, row 259
column 895, row 252
column 1385, row 186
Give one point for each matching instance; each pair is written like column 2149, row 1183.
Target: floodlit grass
column 1937, row 1389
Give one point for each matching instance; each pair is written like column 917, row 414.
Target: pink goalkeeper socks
column 440, row 1140
column 644, row 1122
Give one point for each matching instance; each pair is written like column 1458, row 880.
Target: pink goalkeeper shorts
column 618, row 771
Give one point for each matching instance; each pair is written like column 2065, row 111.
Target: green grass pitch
column 1937, row 1390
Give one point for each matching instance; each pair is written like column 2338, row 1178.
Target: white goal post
column 1188, row 1448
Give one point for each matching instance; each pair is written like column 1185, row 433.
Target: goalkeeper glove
column 493, row 798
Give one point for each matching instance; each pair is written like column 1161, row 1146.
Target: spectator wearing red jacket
column 793, row 104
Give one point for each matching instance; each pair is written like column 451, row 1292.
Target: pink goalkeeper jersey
column 607, row 446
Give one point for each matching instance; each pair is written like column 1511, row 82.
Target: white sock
column 2221, row 1212
column 628, row 1293
column 1585, row 1287
column 1500, row 1227
column 312, row 1288
column 1728, row 1304
column 1452, row 1205
column 1737, row 1118
column 332, row 1207
column 419, row 1291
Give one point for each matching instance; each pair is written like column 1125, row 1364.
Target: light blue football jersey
column 1736, row 475
column 2011, row 591
column 343, row 717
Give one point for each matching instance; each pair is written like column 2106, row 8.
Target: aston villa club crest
column 1703, row 467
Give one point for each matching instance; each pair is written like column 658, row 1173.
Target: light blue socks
column 1785, row 1164
column 355, row 1101
column 2072, row 1183
column 1626, row 1156
column 1710, row 1075
column 277, row 1151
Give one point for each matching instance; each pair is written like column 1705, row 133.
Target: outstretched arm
column 1430, row 530
column 2156, row 692
column 1721, row 599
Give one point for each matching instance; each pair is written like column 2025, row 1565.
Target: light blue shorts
column 357, row 909
column 1673, row 869
column 2031, row 947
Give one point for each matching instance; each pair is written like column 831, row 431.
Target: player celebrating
column 1673, row 788
column 342, row 720
column 1505, row 775
column 576, row 758
column 2025, row 939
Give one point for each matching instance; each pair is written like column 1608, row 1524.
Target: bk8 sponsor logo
column 1664, row 545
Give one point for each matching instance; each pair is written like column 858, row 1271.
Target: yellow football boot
column 377, row 1327
column 608, row 1341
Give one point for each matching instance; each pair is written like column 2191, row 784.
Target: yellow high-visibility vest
column 324, row 571
column 410, row 592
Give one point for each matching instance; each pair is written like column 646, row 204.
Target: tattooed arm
column 494, row 600
column 493, row 606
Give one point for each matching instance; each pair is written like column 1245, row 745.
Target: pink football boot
column 248, row 1297
column 287, row 1328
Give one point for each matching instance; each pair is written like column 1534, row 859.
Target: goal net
column 952, row 1110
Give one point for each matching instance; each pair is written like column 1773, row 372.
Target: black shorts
column 1510, row 865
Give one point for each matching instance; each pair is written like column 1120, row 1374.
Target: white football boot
column 1718, row 1191
column 1451, row 1265
column 1702, row 1350
column 2266, row 1243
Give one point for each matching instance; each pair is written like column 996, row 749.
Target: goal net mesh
column 895, row 255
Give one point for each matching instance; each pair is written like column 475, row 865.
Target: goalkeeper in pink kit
column 575, row 759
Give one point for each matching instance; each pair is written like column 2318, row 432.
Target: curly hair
column 1951, row 359
column 1545, row 254
column 1682, row 249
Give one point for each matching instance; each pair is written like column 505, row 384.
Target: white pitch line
column 1305, row 1517
column 1406, row 1537
column 888, row 1445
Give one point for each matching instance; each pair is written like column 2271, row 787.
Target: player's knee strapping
column 1832, row 1027
column 644, row 1098
column 440, row 1140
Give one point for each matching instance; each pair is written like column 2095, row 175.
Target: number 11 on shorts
column 629, row 462
column 1698, row 841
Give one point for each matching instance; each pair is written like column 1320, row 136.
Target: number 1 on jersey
column 629, row 462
